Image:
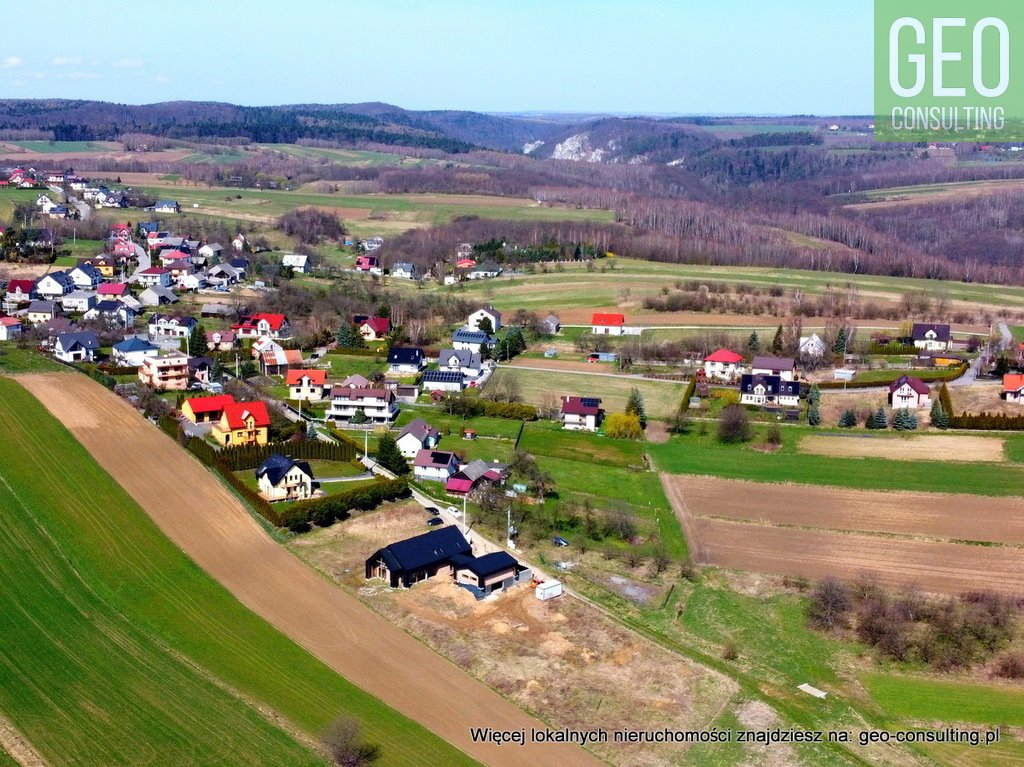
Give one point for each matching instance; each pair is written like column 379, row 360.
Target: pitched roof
column 112, row 289
column 914, row 383
column 434, row 459
column 1013, row 382
column 419, row 429
column 399, row 355
column 236, row 414
column 442, row 376
column 724, row 355
column 25, row 286
column 920, row 330
column 134, row 344
column 614, row 320
column 85, row 338
column 488, row 564
column 356, row 381
column 209, row 404
column 774, row 385
column 154, row 270
column 41, row 307
column 277, row 466
column 316, row 377
column 466, row 358
column 472, row 337
column 436, row 547
column 379, row 325
column 774, row 363
column 581, row 406
column 357, row 393
column 9, row 322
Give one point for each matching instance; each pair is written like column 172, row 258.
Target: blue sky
column 650, row 56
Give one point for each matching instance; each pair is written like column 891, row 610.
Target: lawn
column 130, row 646
column 55, row 147
column 345, row 365
column 11, row 197
column 920, row 699
column 705, row 455
column 14, row 359
column 661, row 399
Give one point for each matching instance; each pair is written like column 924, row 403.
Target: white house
column 192, row 282
column 41, row 311
column 435, row 465
column 441, row 380
column 378, row 405
column 488, row 312
column 211, row 251
column 264, row 325
column 167, row 206
column 581, row 413
column 722, row 365
column 605, row 324
column 166, row 326
column 79, row 301
column 783, row 367
column 485, row 271
column 155, row 295
column 299, row 263
column 76, row 347
column 114, row 312
column 404, row 361
column 909, row 392
column 10, row 328
column 471, row 340
column 307, row 385
column 132, row 351
column 86, row 277
column 1013, row 387
column 283, row 479
column 54, row 285
column 417, row 435
column 931, row 337
column 771, row 390
column 812, row 346
column 223, row 275
column 155, row 276
column 464, row 361
column 404, row 271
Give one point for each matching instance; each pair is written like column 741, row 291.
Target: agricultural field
column 957, row 448
column 175, row 664
column 924, row 193
column 661, row 398
column 356, row 158
column 353, row 641
column 61, row 147
column 902, row 539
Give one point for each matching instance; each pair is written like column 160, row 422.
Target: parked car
column 432, row 510
column 454, row 511
column 435, row 521
column 559, row 541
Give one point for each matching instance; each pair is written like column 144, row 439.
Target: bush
column 621, row 426
column 343, row 741
column 830, row 604
column 878, row 420
column 734, row 425
column 1010, row 665
column 774, row 436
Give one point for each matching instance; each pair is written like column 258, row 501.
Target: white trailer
column 548, row 590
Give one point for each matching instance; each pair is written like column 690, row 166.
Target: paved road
column 84, row 208
column 1007, row 337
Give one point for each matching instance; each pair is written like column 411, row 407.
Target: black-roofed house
column 403, row 361
column 485, row 575
column 931, row 336
column 76, row 347
column 416, row 559
column 472, row 340
column 283, row 479
column 443, row 380
column 470, row 364
column 769, row 391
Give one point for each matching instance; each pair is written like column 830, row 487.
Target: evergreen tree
column 635, row 406
column 938, row 416
column 777, row 341
column 349, row 338
column 814, row 395
column 197, row 345
column 359, row 417
column 754, row 343
column 813, row 414
column 848, row 419
column 484, row 325
column 880, row 420
column 1002, row 366
column 904, row 420
column 839, row 347
column 390, row 457
column 217, row 371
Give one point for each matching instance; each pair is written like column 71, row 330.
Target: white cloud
column 128, row 63
column 83, row 75
column 11, row 62
column 65, row 61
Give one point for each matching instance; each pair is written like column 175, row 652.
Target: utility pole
column 465, row 515
column 510, row 542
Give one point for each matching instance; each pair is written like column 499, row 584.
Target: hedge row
column 895, row 349
column 333, row 508
column 934, row 376
column 987, row 421
column 242, row 457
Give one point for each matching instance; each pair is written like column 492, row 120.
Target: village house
column 486, row 313
column 931, row 337
column 10, row 328
column 280, row 478
column 369, row 264
column 41, row 311
column 220, row 340
column 769, row 390
column 54, row 285
column 603, row 324
column 581, row 413
column 440, row 380
column 783, row 367
column 223, row 275
column 909, row 392
column 78, row 301
column 200, row 370
column 157, row 295
column 242, row 423
column 472, row 340
column 407, row 562
column 165, row 373
column 132, row 351
column 551, row 325
column 85, row 277
column 435, row 465
column 722, row 365
column 206, row 409
column 76, row 347
column 404, row 361
column 298, row 263
column 274, row 359
column 112, row 290
column 307, row 385
column 168, row 326
column 473, row 474
column 264, row 325
column 376, row 405
column 105, row 265
column 113, row 312
column 485, row 271
column 211, row 251
column 20, row 291
column 403, row 271
column 167, row 206
column 154, row 276
column 468, row 363
column 1013, row 388
column 191, row 281
column 374, row 328
column 415, row 436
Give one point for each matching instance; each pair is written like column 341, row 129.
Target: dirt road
column 210, row 525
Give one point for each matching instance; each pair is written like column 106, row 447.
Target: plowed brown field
column 211, row 526
column 900, row 538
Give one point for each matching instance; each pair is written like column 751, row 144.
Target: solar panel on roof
column 590, row 401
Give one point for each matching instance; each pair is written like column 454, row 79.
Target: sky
column 643, row 57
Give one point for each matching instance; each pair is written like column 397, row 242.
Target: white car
column 454, row 511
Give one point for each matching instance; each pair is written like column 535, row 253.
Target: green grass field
column 54, row 147
column 947, row 701
column 11, row 197
column 16, row 360
column 349, row 157
column 660, row 399
column 109, row 629
column 704, row 455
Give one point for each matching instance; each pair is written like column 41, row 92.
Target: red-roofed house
column 155, row 276
column 10, row 327
column 722, row 365
column 368, row 264
column 116, row 289
column 308, row 385
column 909, row 392
column 1013, row 388
column 581, row 413
column 206, row 409
column 242, row 423
column 607, row 324
column 374, row 328
column 20, row 291
column 264, row 325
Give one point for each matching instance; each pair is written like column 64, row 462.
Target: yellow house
column 242, row 423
